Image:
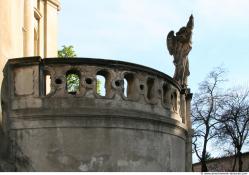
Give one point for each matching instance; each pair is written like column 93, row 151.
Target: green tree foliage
column 67, row 52
column 98, row 86
column 73, row 79
column 73, row 83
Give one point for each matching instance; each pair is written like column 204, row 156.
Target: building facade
column 28, row 28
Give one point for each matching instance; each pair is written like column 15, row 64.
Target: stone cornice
column 55, row 3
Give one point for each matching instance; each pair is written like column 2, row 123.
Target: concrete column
column 190, row 131
column 11, row 34
column 188, row 108
column 51, row 8
column 183, row 105
column 28, row 28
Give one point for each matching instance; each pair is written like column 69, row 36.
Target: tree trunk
column 240, row 161
column 234, row 163
column 204, row 152
column 204, row 166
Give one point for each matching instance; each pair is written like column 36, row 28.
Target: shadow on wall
column 10, row 162
column 5, row 162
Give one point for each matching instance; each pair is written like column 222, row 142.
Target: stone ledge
column 108, row 122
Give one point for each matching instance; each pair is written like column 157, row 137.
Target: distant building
column 224, row 164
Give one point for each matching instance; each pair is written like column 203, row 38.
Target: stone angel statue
column 179, row 46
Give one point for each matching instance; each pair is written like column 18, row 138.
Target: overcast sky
column 135, row 31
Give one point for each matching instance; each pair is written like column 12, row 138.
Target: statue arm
column 190, row 24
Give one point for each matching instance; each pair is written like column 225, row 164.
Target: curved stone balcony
column 140, row 110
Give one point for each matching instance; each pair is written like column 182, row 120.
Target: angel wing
column 171, row 41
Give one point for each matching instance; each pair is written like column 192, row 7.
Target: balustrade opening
column 165, row 94
column 47, row 83
column 129, row 85
column 100, row 87
column 102, row 83
column 73, row 82
column 174, row 101
column 150, row 88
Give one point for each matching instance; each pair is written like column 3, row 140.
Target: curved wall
column 140, row 125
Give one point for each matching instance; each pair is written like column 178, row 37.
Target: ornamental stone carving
column 139, row 123
column 179, row 46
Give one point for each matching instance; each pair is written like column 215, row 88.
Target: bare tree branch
column 234, row 122
column 206, row 105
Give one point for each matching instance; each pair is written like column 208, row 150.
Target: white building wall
column 18, row 22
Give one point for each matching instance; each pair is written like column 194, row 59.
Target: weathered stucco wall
column 28, row 28
column 142, row 127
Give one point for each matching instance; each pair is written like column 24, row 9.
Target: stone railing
column 126, row 85
column 146, row 89
column 56, row 104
